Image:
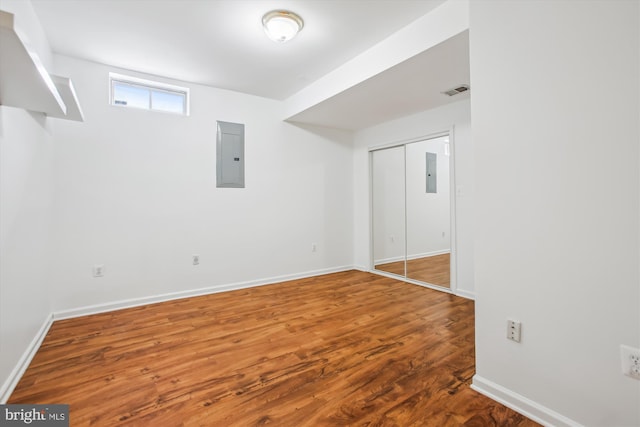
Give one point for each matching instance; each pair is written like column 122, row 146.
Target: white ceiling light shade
column 281, row 25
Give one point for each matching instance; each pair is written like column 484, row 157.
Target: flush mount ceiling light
column 281, row 25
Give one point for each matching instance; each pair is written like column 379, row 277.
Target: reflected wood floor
column 348, row 348
column 433, row 269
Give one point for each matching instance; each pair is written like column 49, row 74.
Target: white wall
column 136, row 191
column 422, row 124
column 25, row 212
column 26, row 193
column 555, row 108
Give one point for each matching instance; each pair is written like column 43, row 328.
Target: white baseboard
column 24, row 361
column 521, row 404
column 388, row 260
column 135, row 302
column 428, row 254
column 466, row 294
column 412, row 257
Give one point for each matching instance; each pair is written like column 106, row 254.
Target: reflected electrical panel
column 432, row 172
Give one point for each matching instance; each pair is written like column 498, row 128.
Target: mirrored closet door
column 389, row 243
column 411, row 211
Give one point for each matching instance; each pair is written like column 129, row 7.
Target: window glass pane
column 131, row 96
column 167, row 101
column 148, row 95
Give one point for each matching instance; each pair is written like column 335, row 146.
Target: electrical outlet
column 98, row 270
column 514, row 329
column 630, row 358
column 314, row 247
column 195, row 259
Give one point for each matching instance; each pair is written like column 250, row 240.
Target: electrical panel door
column 230, row 155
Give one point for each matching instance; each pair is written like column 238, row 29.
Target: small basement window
column 133, row 92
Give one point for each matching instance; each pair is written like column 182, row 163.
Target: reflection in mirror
column 428, row 211
column 388, row 210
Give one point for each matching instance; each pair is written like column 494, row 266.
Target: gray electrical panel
column 230, row 155
column 432, row 173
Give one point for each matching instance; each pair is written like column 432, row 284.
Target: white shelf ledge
column 24, row 81
column 68, row 93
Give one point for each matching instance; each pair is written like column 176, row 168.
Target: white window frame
column 152, row 86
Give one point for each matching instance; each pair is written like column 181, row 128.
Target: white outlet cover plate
column 626, row 353
column 514, row 330
column 98, row 270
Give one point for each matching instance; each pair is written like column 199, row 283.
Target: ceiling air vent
column 456, row 90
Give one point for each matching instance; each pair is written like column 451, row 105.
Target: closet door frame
column 452, row 209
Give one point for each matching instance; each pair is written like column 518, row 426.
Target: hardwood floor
column 349, row 348
column 434, row 269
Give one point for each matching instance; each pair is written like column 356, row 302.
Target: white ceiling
column 221, row 43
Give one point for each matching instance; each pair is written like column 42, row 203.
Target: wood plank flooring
column 348, row 348
column 435, row 269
